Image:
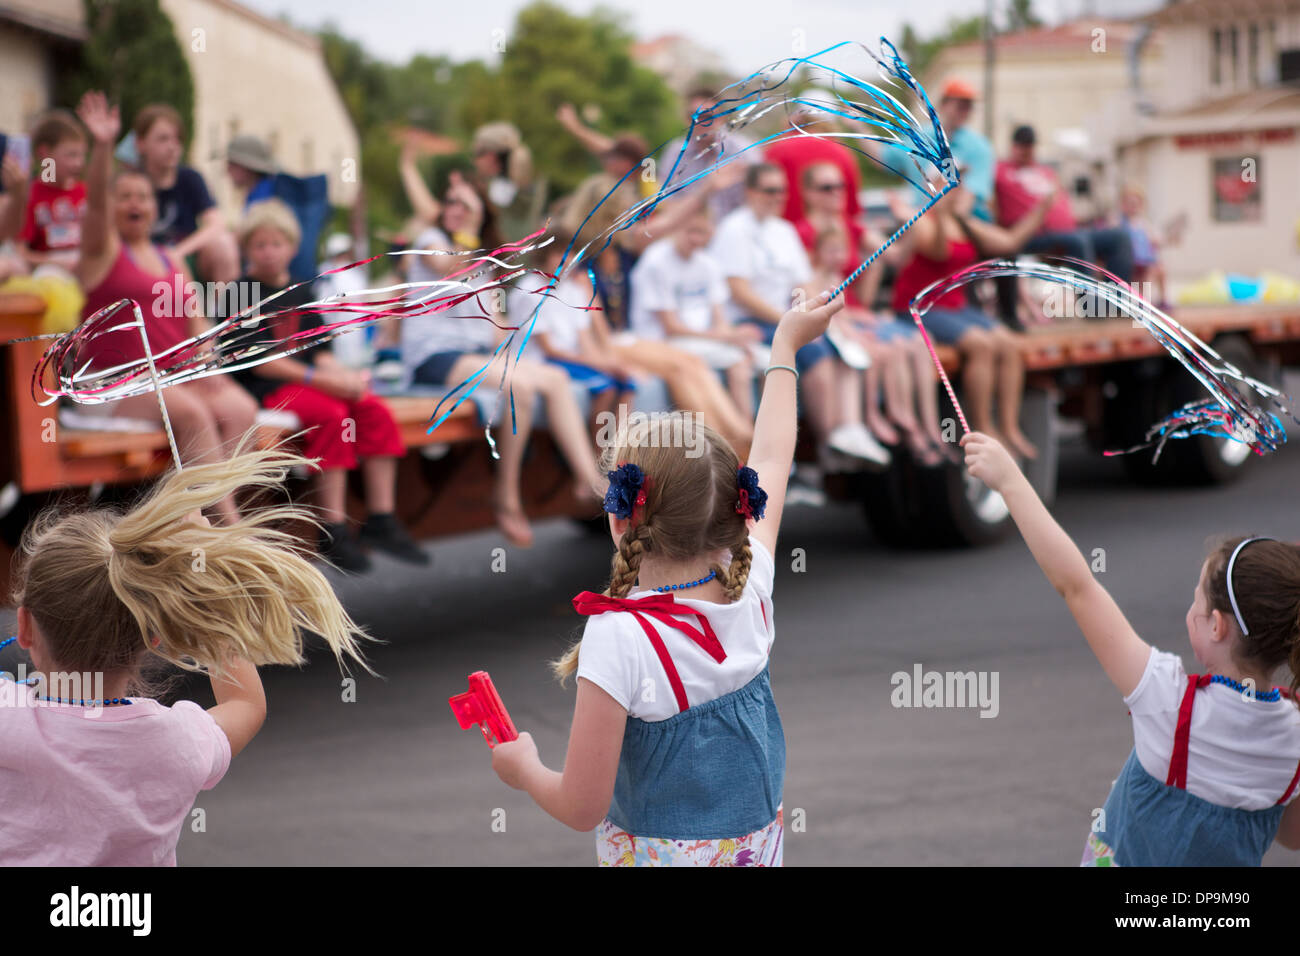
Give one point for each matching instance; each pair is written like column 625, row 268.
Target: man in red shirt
column 56, row 198
column 1020, row 183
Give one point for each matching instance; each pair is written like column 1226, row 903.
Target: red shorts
column 341, row 430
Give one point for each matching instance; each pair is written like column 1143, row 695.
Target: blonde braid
column 742, row 556
column 627, row 560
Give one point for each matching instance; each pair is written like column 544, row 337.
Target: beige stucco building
column 1222, row 147
column 251, row 75
column 1074, row 83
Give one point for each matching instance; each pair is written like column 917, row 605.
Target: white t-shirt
column 662, row 281
column 617, row 656
column 1240, row 753
column 563, row 313
column 768, row 253
column 461, row 328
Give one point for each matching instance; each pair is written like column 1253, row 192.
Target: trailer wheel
column 1041, row 425
column 1201, row 460
column 891, row 504
column 936, row 507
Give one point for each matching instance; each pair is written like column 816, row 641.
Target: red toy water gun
column 482, row 705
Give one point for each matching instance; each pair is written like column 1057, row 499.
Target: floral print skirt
column 617, row 847
column 1097, row 853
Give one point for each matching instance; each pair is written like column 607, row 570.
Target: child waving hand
column 676, row 755
column 1212, row 776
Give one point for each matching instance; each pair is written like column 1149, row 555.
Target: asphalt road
column 389, row 778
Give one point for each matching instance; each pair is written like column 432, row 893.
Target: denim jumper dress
column 708, row 777
column 1147, row 823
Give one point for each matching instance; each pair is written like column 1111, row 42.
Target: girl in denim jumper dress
column 1213, row 774
column 676, row 755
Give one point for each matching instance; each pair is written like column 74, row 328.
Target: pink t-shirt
column 110, row 786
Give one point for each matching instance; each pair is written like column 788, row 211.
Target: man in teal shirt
column 974, row 154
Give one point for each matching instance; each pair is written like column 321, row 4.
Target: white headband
column 1232, row 596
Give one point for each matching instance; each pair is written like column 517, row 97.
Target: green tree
column 553, row 56
column 1021, row 16
column 132, row 54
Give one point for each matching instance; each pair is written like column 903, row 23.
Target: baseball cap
column 958, row 89
column 1023, row 136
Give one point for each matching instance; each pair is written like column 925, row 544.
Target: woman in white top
column 450, row 346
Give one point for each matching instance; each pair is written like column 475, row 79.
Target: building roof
column 63, row 19
column 1075, row 35
column 279, row 26
column 1201, row 11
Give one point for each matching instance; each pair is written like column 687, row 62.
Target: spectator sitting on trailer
column 325, row 395
column 1022, row 182
column 188, row 218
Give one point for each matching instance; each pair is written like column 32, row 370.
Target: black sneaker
column 339, row 549
column 383, row 533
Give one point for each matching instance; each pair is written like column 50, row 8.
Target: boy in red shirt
column 56, row 198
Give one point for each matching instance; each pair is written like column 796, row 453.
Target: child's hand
column 988, row 461
column 512, row 759
column 808, row 320
column 101, row 120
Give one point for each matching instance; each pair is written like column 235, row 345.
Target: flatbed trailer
column 1109, row 373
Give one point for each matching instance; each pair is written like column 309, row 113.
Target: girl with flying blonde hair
column 109, row 781
column 677, row 755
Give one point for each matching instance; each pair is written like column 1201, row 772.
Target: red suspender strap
column 1178, row 760
column 1290, row 789
column 661, row 607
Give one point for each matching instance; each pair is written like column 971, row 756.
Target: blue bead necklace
column 1267, row 697
column 689, row 584
column 107, row 702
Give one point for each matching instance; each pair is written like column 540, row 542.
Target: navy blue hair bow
column 625, row 492
column 751, row 500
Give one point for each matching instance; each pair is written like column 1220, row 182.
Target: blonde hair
column 103, row 586
column 272, row 214
column 690, row 507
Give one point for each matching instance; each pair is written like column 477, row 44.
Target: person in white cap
column 251, row 168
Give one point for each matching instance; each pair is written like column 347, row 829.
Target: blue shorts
column 892, row 330
column 804, row 359
column 435, row 369
column 946, row 326
column 594, row 380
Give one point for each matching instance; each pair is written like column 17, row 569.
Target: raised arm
column 592, row 140
column 1122, row 653
column 15, row 207
column 241, row 704
column 98, row 241
column 426, row 208
column 774, row 429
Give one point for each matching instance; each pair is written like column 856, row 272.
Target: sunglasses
column 828, row 187
column 772, row 190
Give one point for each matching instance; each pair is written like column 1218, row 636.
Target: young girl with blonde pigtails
column 676, row 755
column 107, row 777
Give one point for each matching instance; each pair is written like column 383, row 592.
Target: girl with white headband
column 1215, row 764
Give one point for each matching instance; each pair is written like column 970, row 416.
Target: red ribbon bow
column 661, row 607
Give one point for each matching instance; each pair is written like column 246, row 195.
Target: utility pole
column 988, row 70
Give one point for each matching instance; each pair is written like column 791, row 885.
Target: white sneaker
column 857, row 441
